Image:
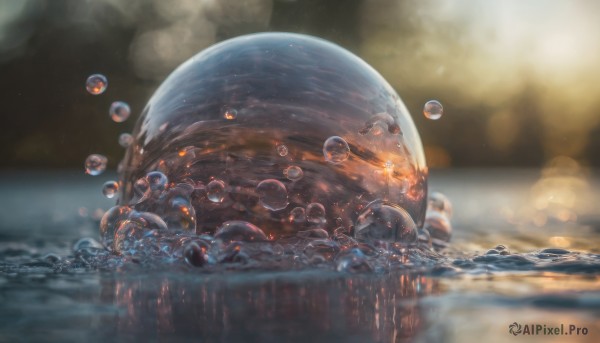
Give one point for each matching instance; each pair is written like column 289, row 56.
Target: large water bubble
column 233, row 104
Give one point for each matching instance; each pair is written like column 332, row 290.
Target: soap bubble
column 293, row 173
column 110, row 189
column 125, row 140
column 96, row 84
column 282, row 150
column 315, row 213
column 216, row 191
column 285, row 88
column 336, row 150
column 119, row 111
column 237, row 230
column 433, row 110
column 95, row 164
column 381, row 221
column 272, row 194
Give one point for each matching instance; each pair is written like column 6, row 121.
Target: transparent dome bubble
column 236, row 102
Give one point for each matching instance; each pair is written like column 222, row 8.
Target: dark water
column 550, row 277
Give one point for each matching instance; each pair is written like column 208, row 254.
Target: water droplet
column 315, row 213
column 297, row 215
column 179, row 214
column 322, row 247
column 377, row 124
column 126, row 236
column 385, row 222
column 110, row 222
column 230, row 113
column 96, row 84
column 313, row 233
column 125, row 140
column 336, row 150
column 293, row 173
column 119, row 111
column 433, row 110
column 157, row 181
column 237, row 230
column 147, row 221
column 354, row 261
column 95, row 164
column 272, row 194
column 195, row 253
column 141, row 189
column 110, row 189
column 216, row 191
column 438, row 225
column 87, row 242
column 282, row 150
column 440, row 203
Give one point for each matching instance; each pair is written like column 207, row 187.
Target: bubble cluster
column 433, row 110
column 119, row 111
column 353, row 143
column 95, row 164
column 96, row 84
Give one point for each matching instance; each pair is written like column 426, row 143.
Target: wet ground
column 470, row 297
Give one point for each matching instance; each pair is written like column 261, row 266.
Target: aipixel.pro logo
column 546, row 330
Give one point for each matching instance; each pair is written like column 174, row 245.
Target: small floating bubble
column 157, row 181
column 110, row 189
column 216, row 191
column 293, row 173
column 238, row 230
column 282, row 150
column 95, row 164
column 297, row 215
column 96, row 84
column 433, row 110
column 119, row 111
column 315, row 213
column 313, row 233
column 230, row 113
column 125, row 140
column 336, row 150
column 272, row 194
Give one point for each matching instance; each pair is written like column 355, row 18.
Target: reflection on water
column 269, row 308
column 467, row 296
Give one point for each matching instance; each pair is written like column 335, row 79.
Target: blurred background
column 518, row 79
